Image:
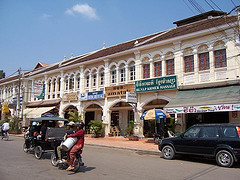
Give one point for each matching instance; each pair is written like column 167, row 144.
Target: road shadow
column 82, row 169
column 202, row 160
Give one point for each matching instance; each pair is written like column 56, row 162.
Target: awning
column 205, row 100
column 36, row 112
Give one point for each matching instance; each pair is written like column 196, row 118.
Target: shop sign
column 156, row 84
column 68, row 97
column 131, row 97
column 91, row 96
column 39, row 90
column 204, row 109
column 116, row 91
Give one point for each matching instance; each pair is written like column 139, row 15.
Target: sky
column 33, row 31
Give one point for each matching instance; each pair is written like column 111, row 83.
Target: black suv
column 220, row 141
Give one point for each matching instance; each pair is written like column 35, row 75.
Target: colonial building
column 191, row 71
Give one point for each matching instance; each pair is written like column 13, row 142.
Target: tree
column 74, row 116
column 2, row 74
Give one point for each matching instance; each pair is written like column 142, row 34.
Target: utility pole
column 19, row 91
column 238, row 31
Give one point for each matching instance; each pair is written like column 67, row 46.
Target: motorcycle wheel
column 54, row 160
column 157, row 140
column 38, row 152
column 78, row 164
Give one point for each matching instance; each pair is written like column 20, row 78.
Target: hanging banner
column 39, row 90
column 156, row 84
column 203, row 109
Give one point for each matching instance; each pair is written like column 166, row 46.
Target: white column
column 151, row 68
column 138, row 66
column 106, row 73
column 82, row 84
column 46, row 87
column 90, row 82
column 196, row 65
column 117, row 75
column 62, row 84
column 163, row 66
column 211, row 63
column 126, row 74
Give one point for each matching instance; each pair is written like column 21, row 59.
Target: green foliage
column 73, row 116
column 2, row 74
column 96, row 127
column 129, row 129
column 14, row 124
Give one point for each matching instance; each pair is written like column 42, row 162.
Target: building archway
column 93, row 111
column 121, row 114
column 151, row 126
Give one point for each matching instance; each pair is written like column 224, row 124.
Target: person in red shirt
column 79, row 145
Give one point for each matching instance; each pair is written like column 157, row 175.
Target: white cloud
column 45, row 16
column 83, row 9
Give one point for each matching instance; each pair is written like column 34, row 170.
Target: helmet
column 34, row 123
column 71, row 123
column 80, row 125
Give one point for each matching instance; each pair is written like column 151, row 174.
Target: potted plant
column 14, row 125
column 129, row 131
column 96, row 128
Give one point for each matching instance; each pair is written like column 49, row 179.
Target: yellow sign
column 70, row 97
column 116, row 91
column 5, row 109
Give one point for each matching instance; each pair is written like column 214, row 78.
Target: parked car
column 219, row 141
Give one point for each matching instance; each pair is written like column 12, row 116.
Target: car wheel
column 224, row 158
column 38, row 152
column 54, row 160
column 168, row 152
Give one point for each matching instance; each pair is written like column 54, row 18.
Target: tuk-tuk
column 41, row 143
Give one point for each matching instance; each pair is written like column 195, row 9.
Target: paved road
column 108, row 164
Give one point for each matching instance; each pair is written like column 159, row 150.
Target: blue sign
column 92, row 95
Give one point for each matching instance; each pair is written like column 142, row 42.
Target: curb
column 152, row 152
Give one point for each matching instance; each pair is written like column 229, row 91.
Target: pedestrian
column 78, row 146
column 5, row 128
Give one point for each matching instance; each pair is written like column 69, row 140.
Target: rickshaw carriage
column 53, row 137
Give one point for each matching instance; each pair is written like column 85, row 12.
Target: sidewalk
column 146, row 145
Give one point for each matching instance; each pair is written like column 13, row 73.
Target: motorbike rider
column 5, row 128
column 69, row 130
column 78, row 146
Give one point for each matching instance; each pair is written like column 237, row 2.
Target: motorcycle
column 158, row 137
column 63, row 164
column 5, row 135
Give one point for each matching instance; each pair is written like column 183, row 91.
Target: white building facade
column 200, row 53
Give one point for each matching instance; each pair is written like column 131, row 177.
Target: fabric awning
column 206, row 100
column 36, row 112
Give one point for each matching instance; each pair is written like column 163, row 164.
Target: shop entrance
column 210, row 118
column 89, row 116
column 115, row 118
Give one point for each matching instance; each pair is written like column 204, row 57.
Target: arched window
column 54, row 85
column 59, row 84
column 157, row 65
column 71, row 83
column 102, row 77
column 122, row 73
column 113, row 75
column 49, row 86
column 66, row 83
column 146, row 68
column 220, row 59
column 87, row 80
column 132, row 71
column 188, row 60
column 94, row 79
column 169, row 63
column 203, row 58
column 78, row 81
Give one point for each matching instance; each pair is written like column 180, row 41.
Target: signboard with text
column 156, row 84
column 116, row 91
column 91, row 96
column 203, row 109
